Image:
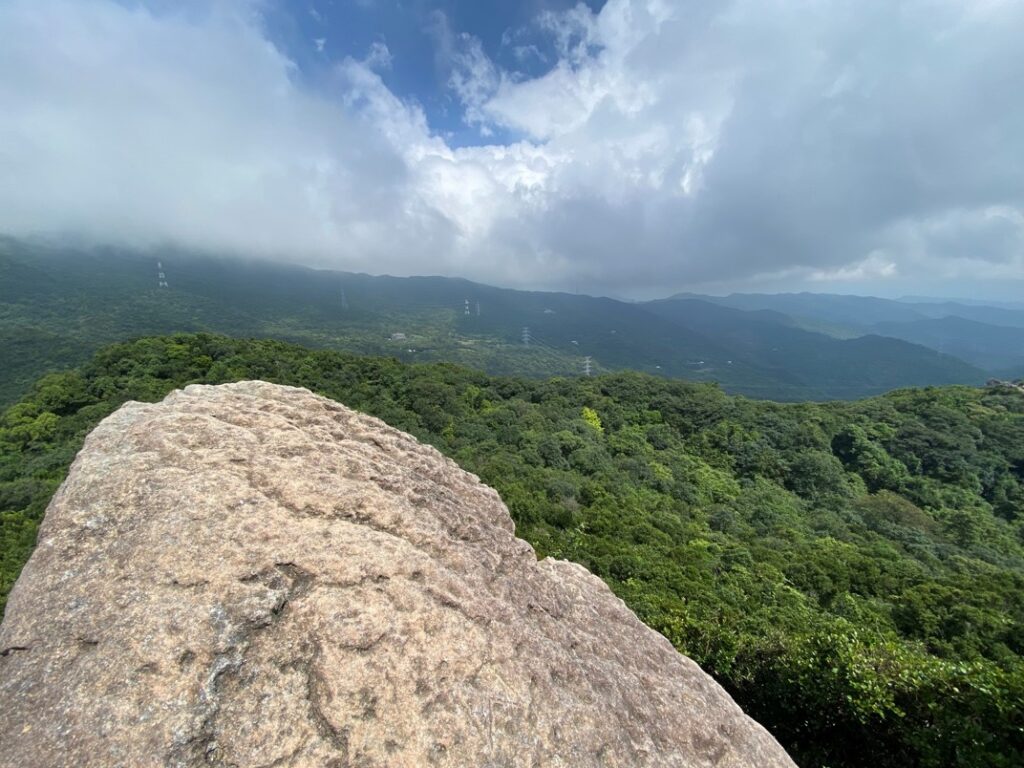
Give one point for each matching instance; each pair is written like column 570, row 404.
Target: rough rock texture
column 251, row 575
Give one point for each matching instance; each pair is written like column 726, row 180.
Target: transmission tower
column 466, row 313
column 586, row 365
column 478, row 309
column 344, row 298
column 160, row 276
column 526, row 336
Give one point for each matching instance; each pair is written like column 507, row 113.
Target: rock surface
column 251, row 575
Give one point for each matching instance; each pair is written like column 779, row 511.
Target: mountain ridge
column 90, row 297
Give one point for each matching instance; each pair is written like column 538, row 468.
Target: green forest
column 59, row 305
column 851, row 572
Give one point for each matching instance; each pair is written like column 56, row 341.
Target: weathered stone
column 251, row 575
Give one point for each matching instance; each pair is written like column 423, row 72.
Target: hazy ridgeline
column 59, row 304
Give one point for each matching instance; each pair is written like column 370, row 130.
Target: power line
column 559, row 359
column 536, row 343
column 534, row 340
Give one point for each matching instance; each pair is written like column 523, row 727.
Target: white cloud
column 716, row 141
column 471, row 74
column 121, row 125
column 378, row 57
column 671, row 143
column 874, row 267
column 526, row 52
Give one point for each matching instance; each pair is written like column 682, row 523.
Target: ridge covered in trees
column 853, row 573
column 59, row 304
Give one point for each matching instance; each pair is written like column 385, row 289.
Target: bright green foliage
column 853, row 573
column 590, row 416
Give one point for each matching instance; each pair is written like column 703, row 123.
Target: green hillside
column 992, row 347
column 60, row 304
column 813, row 365
column 989, row 337
column 853, row 572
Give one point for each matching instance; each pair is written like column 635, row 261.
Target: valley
column 59, row 304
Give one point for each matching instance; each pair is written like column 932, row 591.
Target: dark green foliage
column 852, row 572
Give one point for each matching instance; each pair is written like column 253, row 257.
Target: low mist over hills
column 58, row 304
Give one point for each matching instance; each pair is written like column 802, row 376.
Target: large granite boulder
column 251, row 575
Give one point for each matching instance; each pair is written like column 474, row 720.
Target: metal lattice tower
column 478, row 309
column 466, row 313
column 344, row 299
column 526, row 336
column 586, row 365
column 160, row 276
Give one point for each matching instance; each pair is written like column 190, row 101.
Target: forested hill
column 853, row 573
column 60, row 304
column 988, row 335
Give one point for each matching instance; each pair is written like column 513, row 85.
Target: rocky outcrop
column 1010, row 386
column 251, row 575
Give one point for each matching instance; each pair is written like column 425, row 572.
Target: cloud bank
column 668, row 145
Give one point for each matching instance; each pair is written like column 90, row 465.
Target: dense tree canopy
column 853, row 573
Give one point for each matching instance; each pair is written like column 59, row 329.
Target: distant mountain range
column 988, row 336
column 58, row 304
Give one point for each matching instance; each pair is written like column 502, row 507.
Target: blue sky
column 316, row 34
column 632, row 147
